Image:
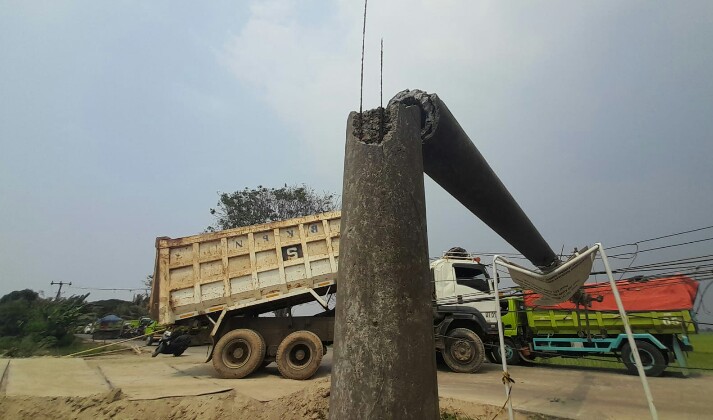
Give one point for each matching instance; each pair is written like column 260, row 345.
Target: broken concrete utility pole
column 451, row 159
column 384, row 350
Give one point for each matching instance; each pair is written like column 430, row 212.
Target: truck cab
column 461, row 282
column 464, row 309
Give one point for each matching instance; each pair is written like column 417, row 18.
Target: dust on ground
column 309, row 403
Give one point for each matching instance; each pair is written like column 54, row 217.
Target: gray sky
column 119, row 121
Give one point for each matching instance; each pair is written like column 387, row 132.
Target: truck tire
column 299, row 355
column 239, row 353
column 464, row 352
column 511, row 353
column 652, row 358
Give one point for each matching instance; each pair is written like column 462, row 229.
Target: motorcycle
column 172, row 344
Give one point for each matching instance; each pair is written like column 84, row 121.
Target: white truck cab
column 464, row 309
column 463, row 281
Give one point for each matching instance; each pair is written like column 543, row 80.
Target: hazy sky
column 119, row 121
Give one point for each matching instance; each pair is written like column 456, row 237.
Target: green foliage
column 62, row 315
column 148, row 283
column 26, row 295
column 262, row 205
column 29, row 324
column 14, row 316
column 27, row 346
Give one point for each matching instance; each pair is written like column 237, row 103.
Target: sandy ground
column 135, row 386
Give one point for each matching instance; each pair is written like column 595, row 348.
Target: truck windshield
column 472, row 277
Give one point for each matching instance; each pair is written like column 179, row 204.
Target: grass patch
column 27, row 347
column 700, row 358
column 702, row 354
column 78, row 346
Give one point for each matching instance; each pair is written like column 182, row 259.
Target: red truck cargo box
column 661, row 294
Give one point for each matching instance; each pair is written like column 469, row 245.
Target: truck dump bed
column 551, row 321
column 265, row 266
column 656, row 305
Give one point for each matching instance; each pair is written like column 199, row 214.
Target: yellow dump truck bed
column 244, row 267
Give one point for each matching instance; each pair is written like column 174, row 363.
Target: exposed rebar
column 381, row 91
column 361, row 82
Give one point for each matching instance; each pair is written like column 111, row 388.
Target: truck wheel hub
column 299, row 356
column 462, row 351
column 236, row 354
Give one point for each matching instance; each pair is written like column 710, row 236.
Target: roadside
column 136, row 385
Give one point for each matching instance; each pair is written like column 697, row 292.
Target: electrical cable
column 662, row 237
column 665, row 247
column 520, row 256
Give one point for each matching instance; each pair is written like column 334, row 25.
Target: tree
column 263, row 205
column 15, row 311
column 148, row 285
column 25, row 295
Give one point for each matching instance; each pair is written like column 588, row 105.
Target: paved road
column 561, row 392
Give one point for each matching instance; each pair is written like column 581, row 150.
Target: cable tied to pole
column 508, row 381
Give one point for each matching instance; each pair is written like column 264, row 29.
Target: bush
column 30, row 324
column 13, row 317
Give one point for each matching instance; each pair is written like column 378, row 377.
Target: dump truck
column 658, row 309
column 229, row 278
column 234, row 279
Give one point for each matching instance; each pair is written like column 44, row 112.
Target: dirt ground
column 310, row 403
column 136, row 386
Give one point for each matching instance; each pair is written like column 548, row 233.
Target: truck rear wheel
column 299, row 355
column 239, row 353
column 652, row 358
column 464, row 352
column 512, row 356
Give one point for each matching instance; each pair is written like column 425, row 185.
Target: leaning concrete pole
column 451, row 159
column 384, row 356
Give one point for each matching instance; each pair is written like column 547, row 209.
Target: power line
column 662, row 237
column 520, row 256
column 112, row 288
column 665, row 247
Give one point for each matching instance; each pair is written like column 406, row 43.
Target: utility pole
column 60, row 283
column 384, row 354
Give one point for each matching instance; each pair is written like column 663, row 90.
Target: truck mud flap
column 210, row 350
column 681, row 359
column 216, row 327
